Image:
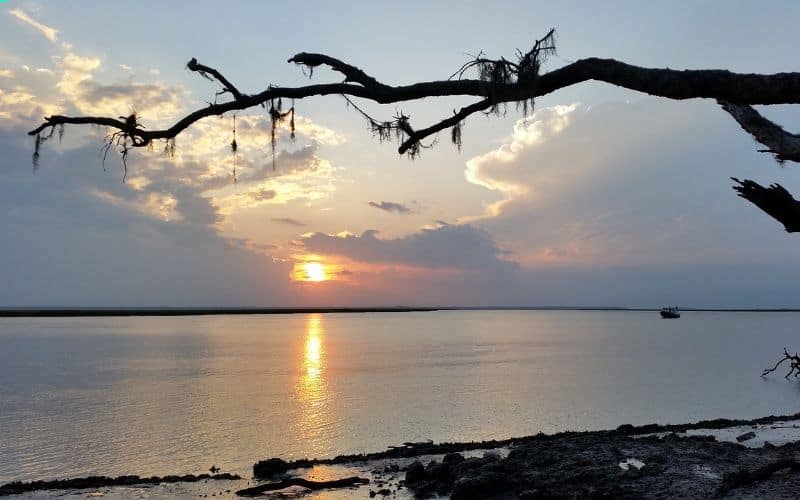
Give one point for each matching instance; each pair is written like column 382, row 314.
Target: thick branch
column 776, row 201
column 784, row 145
column 673, row 84
column 739, row 88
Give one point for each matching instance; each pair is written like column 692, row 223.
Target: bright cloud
column 528, row 133
column 48, row 32
column 577, row 191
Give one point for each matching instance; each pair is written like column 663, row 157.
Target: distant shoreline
column 222, row 311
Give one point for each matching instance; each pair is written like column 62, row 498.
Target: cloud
column 483, row 170
column 454, row 246
column 72, row 246
column 6, row 73
column 571, row 190
column 260, row 194
column 196, row 184
column 157, row 104
column 391, row 207
column 48, row 32
column 289, row 221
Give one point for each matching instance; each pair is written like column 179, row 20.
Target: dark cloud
column 260, row 165
column 390, row 206
column 460, row 246
column 289, row 221
column 74, row 237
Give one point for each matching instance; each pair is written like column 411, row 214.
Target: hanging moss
column 455, row 135
column 37, row 145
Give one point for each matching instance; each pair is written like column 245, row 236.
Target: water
column 83, row 396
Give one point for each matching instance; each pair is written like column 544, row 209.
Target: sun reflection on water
column 312, row 392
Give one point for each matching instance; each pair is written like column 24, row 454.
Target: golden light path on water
column 312, row 394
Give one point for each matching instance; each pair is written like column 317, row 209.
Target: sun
column 314, row 271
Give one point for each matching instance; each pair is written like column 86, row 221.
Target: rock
column 438, row 472
column 453, row 458
column 468, row 464
column 746, row 436
column 484, row 484
column 270, row 467
column 415, row 473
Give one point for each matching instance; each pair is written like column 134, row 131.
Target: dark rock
column 482, row 485
column 468, row 464
column 453, row 458
column 436, row 471
column 415, row 473
column 745, row 437
column 270, row 467
column 93, row 482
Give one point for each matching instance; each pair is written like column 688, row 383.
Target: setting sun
column 313, row 271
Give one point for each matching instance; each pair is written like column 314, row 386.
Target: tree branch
column 415, row 136
column 776, row 201
column 784, row 145
column 193, row 65
column 512, row 87
column 351, row 73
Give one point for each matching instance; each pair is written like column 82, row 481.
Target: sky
column 601, row 197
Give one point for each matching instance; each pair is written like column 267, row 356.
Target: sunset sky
column 602, row 197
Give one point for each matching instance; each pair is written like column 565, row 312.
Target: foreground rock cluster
column 611, row 465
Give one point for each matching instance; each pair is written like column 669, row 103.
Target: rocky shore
column 721, row 458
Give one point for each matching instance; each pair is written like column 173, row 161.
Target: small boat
column 670, row 313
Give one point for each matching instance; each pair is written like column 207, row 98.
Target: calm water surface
column 81, row 396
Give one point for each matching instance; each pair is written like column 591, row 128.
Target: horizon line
column 32, row 312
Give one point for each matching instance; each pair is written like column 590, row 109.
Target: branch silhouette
column 499, row 83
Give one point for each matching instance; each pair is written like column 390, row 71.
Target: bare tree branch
column 193, row 65
column 794, row 364
column 351, row 73
column 776, row 201
column 784, row 145
column 415, row 136
column 500, row 81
